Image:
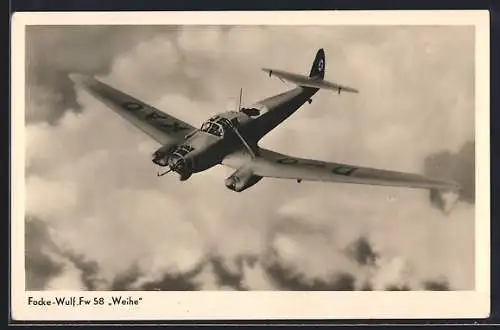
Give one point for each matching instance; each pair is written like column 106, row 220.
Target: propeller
column 163, row 173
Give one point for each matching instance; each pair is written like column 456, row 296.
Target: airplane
column 232, row 138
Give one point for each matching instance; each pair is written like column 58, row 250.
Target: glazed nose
column 175, row 162
column 160, row 159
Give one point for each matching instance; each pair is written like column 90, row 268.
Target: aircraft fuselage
column 205, row 147
column 226, row 132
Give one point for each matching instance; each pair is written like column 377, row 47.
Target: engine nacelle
column 160, row 156
column 242, row 179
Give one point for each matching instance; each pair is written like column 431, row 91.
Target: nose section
column 176, row 162
column 160, row 159
column 179, row 159
column 181, row 165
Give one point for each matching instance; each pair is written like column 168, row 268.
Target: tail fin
column 319, row 65
column 315, row 78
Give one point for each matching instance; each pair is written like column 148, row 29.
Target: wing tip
column 448, row 186
column 80, row 79
column 454, row 186
column 75, row 77
column 445, row 199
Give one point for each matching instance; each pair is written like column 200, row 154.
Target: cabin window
column 252, row 112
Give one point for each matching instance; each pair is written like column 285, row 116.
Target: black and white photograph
column 268, row 157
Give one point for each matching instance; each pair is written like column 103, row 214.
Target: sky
column 98, row 217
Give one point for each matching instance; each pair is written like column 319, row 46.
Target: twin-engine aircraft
column 232, row 138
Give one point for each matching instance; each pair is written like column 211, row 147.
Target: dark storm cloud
column 186, row 281
column 40, row 267
column 89, row 269
column 459, row 166
column 362, row 251
column 175, row 281
column 395, row 287
column 286, row 279
column 52, row 52
column 124, row 281
column 225, row 276
column 436, row 285
column 171, row 282
column 41, row 258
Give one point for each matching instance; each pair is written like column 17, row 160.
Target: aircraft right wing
column 160, row 126
column 272, row 164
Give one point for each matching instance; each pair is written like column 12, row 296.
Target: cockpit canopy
column 218, row 125
column 212, row 128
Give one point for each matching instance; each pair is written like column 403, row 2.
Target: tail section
column 315, row 78
column 318, row 66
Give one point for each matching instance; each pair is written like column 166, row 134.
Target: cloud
column 40, row 267
column 458, row 166
column 54, row 51
column 50, row 267
column 117, row 226
column 437, row 285
column 362, row 252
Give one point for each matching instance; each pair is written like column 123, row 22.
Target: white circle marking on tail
column 320, row 65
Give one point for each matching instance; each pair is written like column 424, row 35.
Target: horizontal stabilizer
column 305, row 81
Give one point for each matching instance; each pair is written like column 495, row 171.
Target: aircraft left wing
column 160, row 126
column 272, row 164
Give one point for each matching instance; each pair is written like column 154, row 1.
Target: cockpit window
column 213, row 128
column 218, row 125
column 252, row 112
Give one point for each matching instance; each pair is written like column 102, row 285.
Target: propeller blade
column 163, row 173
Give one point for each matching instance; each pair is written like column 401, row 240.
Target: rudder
column 318, row 66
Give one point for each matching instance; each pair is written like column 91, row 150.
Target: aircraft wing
column 272, row 164
column 158, row 125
